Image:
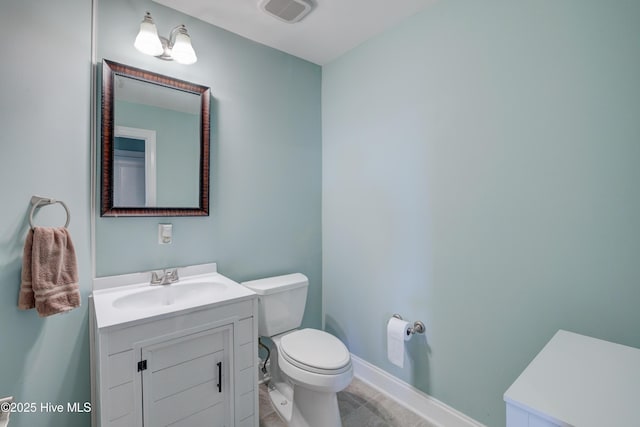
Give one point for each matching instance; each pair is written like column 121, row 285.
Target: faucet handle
column 154, row 278
column 173, row 275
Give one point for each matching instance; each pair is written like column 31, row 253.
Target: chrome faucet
column 167, row 277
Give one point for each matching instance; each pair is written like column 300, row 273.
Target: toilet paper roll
column 397, row 333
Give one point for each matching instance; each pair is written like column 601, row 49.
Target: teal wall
column 480, row 173
column 177, row 150
column 44, row 150
column 266, row 129
column 265, row 209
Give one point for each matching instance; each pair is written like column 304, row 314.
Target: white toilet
column 308, row 366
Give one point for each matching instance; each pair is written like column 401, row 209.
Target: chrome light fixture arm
column 167, row 44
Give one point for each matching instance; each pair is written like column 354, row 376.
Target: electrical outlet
column 5, row 410
column 165, row 234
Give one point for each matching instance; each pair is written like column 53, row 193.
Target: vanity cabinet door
column 186, row 381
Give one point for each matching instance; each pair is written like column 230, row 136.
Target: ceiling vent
column 289, row 11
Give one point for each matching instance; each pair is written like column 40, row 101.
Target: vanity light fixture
column 176, row 48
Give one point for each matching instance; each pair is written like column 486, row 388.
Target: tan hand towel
column 49, row 272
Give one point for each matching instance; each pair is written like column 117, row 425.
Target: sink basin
column 129, row 299
column 177, row 293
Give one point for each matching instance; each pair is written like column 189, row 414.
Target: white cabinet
column 195, row 368
column 577, row 381
column 186, row 379
column 518, row 417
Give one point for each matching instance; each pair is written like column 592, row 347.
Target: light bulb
column 182, row 51
column 147, row 40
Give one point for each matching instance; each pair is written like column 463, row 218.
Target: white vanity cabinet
column 194, row 367
column 185, row 380
column 577, row 381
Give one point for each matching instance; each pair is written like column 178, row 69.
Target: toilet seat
column 315, row 351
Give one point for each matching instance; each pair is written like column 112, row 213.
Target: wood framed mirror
column 155, row 144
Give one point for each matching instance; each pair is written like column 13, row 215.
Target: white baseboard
column 410, row 397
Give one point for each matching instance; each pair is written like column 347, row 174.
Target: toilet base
column 315, row 409
column 281, row 397
column 302, row 407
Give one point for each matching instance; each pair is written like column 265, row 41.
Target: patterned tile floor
column 360, row 406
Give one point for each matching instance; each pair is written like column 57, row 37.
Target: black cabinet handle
column 219, row 377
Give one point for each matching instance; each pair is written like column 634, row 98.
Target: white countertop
column 581, row 381
column 108, row 314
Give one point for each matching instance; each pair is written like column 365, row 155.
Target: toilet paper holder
column 418, row 326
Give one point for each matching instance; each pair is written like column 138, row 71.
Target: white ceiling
column 332, row 28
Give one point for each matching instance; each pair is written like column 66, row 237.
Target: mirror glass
column 155, row 138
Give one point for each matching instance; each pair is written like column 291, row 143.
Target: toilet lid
column 315, row 350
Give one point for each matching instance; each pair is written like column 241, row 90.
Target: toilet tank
column 281, row 302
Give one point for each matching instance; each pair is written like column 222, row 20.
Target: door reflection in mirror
column 134, row 167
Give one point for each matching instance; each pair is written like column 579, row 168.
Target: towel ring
column 37, row 201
